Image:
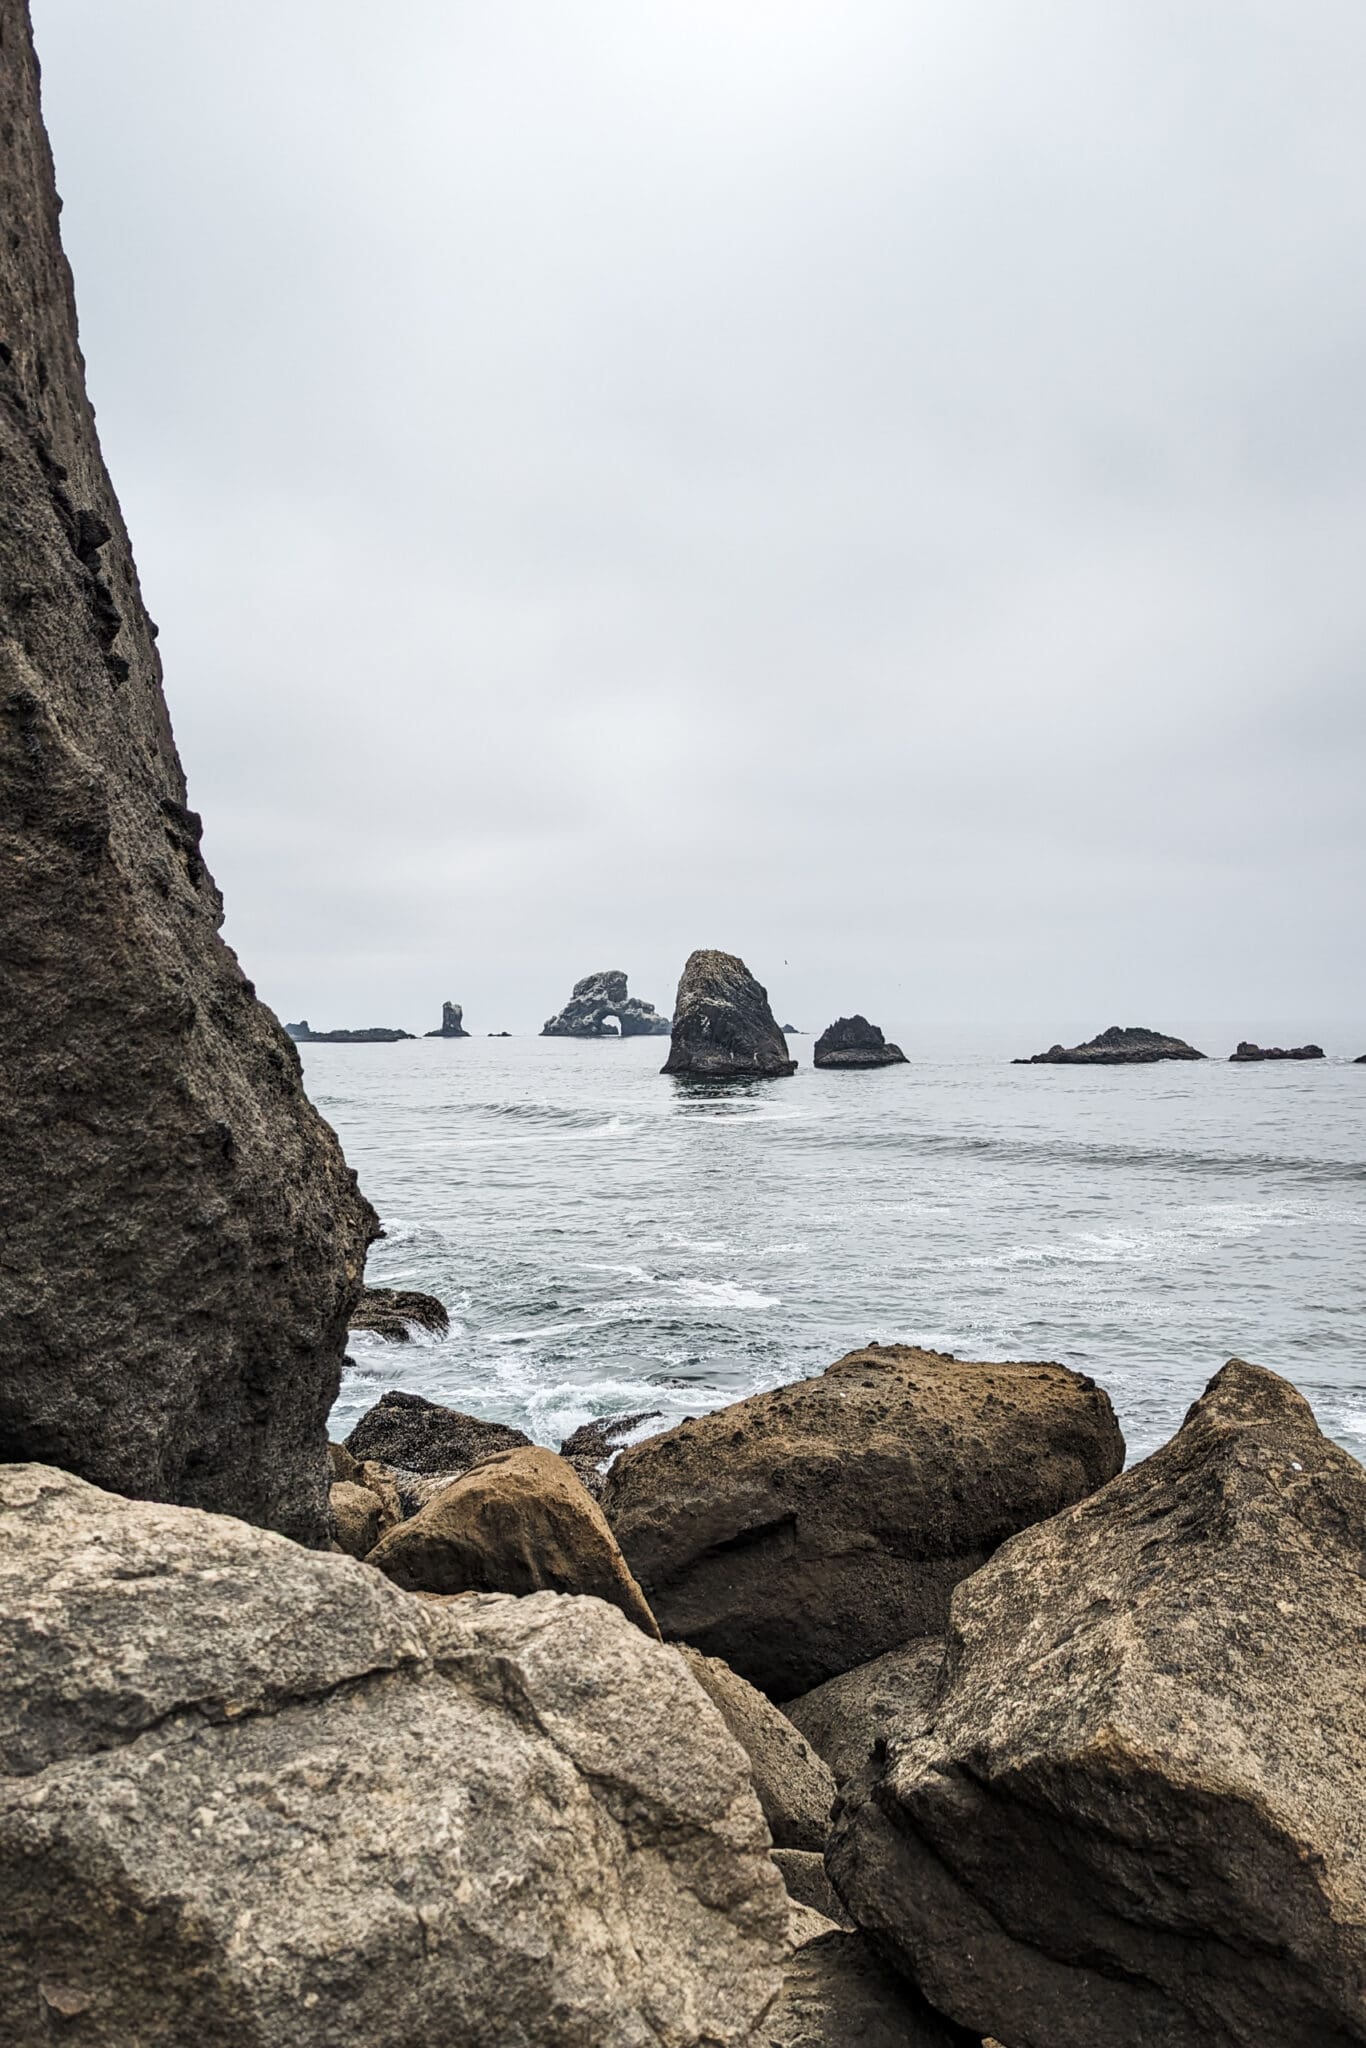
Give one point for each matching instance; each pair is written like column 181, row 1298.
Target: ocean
column 609, row 1241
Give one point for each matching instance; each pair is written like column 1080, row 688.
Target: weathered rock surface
column 593, row 1443
column 854, row 1042
column 723, row 1025
column 519, row 1522
column 803, row 1531
column 406, row 1429
column 848, row 1717
column 369, row 1034
column 1248, row 1052
column 794, row 1787
column 803, row 1872
column 343, row 1464
column 256, row 1797
column 1138, row 1816
column 838, row 1994
column 1123, row 1045
column 598, row 998
column 394, row 1312
column 452, row 1022
column 356, row 1517
column 182, row 1239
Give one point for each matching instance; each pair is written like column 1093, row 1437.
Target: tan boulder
column 794, row 1787
column 355, row 1517
column 1137, row 1815
column 806, row 1530
column 804, row 1874
column 343, row 1464
column 846, row 1718
column 520, row 1522
column 838, row 1994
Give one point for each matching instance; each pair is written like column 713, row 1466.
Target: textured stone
column 518, row 1522
column 406, row 1429
column 394, row 1312
column 367, row 1034
column 837, row 1994
column 854, row 1042
column 182, row 1240
column 845, row 1719
column 794, row 1787
column 1248, row 1052
column 804, row 1874
column 256, row 1797
column 1123, row 1045
column 723, row 1026
column 593, row 1443
column 803, row 1531
column 599, row 998
column 357, row 1517
column 1137, row 1816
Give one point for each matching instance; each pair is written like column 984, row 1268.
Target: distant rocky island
column 723, row 1027
column 374, row 1034
column 1126, row 1045
column 600, row 1007
column 854, row 1042
column 1247, row 1052
column 452, row 1022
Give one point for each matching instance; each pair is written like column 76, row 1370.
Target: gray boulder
column 723, row 1026
column 1135, row 1814
column 849, row 1717
column 854, row 1042
column 599, row 998
column 794, row 1787
column 408, row 1430
column 803, row 1531
column 257, row 1797
column 183, row 1240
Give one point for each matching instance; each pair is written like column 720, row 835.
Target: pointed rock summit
column 598, row 998
column 723, row 1026
column 854, row 1042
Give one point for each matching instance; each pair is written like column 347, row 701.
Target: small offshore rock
column 794, row 1787
column 394, row 1312
column 371, row 1034
column 452, row 1022
column 849, row 1717
column 409, row 1430
column 723, row 1026
column 356, row 1517
column 593, row 1443
column 1123, row 1045
column 599, row 998
column 1247, row 1051
column 854, row 1042
column 518, row 1522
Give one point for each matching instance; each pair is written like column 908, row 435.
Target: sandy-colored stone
column 803, row 1531
column 837, row 1994
column 795, row 1788
column 516, row 1523
column 344, row 1466
column 1138, row 1814
column 848, row 1717
column 356, row 1516
column 804, row 1874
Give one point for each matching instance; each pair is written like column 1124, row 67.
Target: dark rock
column 803, row 1531
column 1123, row 1045
column 393, row 1312
column 792, row 1030
column 182, row 1239
column 599, row 997
column 1247, row 1052
column 849, row 1717
column 803, row 1872
column 404, row 1429
column 374, row 1034
column 1135, row 1816
column 452, row 1023
column 722, row 1023
column 793, row 1786
column 258, row 1797
column 838, row 1994
column 593, row 1443
column 854, row 1042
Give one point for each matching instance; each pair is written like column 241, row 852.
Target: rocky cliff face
column 182, row 1241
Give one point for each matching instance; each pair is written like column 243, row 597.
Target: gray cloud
column 877, row 487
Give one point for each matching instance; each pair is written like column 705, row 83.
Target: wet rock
column 854, row 1042
column 183, row 1240
column 593, row 1443
column 722, row 1025
column 253, row 1796
column 803, row 1531
column 803, row 1872
column 1136, row 1814
column 452, row 1022
column 1127, row 1045
column 519, row 1522
column 406, row 1429
column 837, row 1994
column 1247, row 1052
column 356, row 1517
column 794, row 1787
column 394, row 1312
column 601, row 1008
column 370, row 1034
column 849, row 1717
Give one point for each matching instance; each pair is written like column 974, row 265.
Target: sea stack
column 1247, row 1052
column 1123, row 1045
column 183, row 1240
column 723, row 1026
column 452, row 1022
column 598, row 998
column 854, row 1042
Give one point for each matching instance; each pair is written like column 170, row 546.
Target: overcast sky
column 877, row 486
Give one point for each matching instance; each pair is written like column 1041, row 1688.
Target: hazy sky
column 880, row 488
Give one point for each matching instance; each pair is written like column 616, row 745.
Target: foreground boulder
column 601, row 1008
column 1123, row 1045
column 854, row 1042
column 182, row 1238
column 257, row 1797
column 848, row 1717
column 1136, row 1815
column 395, row 1312
column 519, row 1522
column 794, row 1788
column 722, row 1025
column 803, row 1531
column 408, row 1430
column 1248, row 1052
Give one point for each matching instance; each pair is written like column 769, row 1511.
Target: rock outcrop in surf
column 452, row 1022
column 1247, row 1052
column 1123, row 1045
column 371, row 1034
column 600, row 1007
column 723, row 1026
column 854, row 1042
column 183, row 1240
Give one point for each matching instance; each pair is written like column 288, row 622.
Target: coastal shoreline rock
column 394, row 1312
column 1123, row 1045
column 599, row 997
column 593, row 1443
column 723, row 1027
column 854, row 1042
column 409, row 1430
column 1247, row 1052
column 793, row 1786
column 849, row 1717
column 452, row 1022
column 373, row 1034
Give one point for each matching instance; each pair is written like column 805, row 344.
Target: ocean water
column 608, row 1240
